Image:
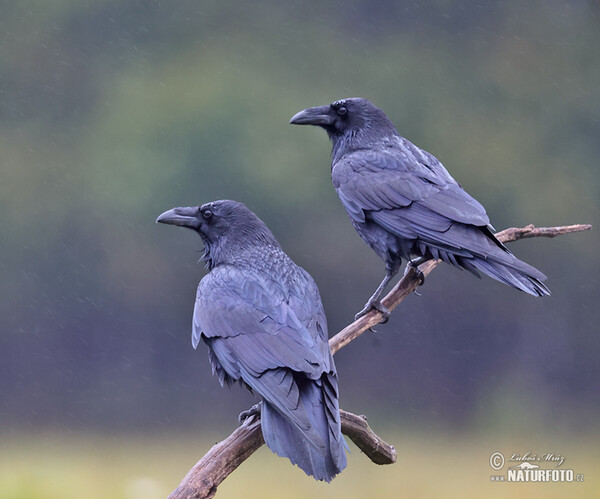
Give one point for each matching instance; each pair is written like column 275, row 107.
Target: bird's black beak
column 184, row 217
column 320, row 115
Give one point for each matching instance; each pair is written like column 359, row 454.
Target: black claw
column 421, row 277
column 384, row 312
column 377, row 305
column 360, row 314
column 253, row 411
column 414, row 264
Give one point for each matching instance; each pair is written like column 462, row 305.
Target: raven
column 262, row 319
column 404, row 203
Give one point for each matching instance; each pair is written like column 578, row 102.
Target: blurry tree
column 113, row 111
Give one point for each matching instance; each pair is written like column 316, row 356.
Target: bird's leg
column 253, row 411
column 414, row 263
column 374, row 303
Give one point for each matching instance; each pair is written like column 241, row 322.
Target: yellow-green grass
column 63, row 466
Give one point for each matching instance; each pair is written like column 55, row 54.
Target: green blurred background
column 114, row 111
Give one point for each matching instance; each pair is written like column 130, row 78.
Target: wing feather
column 400, row 184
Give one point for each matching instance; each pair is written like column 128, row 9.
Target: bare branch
column 410, row 281
column 357, row 428
column 512, row 234
column 223, row 458
column 220, row 461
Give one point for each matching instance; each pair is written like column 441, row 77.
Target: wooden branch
column 512, row 234
column 357, row 428
column 223, row 458
column 220, row 461
column 411, row 281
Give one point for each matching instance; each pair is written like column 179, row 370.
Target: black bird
column 404, row 204
column 262, row 319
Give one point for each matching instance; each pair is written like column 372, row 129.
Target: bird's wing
column 260, row 335
column 264, row 328
column 233, row 289
column 404, row 180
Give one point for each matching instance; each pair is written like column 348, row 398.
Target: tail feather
column 515, row 277
column 288, row 440
column 505, row 267
column 476, row 248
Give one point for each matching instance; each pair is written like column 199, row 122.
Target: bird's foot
column 253, row 411
column 414, row 264
column 377, row 305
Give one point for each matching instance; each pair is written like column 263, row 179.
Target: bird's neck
column 365, row 138
column 238, row 248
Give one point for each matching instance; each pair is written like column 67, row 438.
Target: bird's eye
column 342, row 110
column 207, row 214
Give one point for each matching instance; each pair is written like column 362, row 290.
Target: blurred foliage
column 112, row 112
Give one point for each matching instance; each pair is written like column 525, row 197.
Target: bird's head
column 354, row 121
column 226, row 227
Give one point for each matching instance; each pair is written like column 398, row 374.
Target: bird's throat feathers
column 231, row 247
column 372, row 132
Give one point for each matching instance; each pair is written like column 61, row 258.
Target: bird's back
column 263, row 321
column 404, row 203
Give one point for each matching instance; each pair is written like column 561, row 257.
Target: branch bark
column 223, row 458
column 358, row 430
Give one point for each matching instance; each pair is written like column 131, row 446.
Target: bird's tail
column 479, row 249
column 319, row 451
column 516, row 273
column 500, row 264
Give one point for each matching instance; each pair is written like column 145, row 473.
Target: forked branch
column 223, row 458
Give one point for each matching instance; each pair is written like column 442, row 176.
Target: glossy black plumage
column 404, row 203
column 262, row 319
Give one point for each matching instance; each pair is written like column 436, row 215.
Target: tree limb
column 223, row 458
column 358, row 430
column 411, row 281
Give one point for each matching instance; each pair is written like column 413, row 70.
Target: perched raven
column 262, row 319
column 404, row 204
